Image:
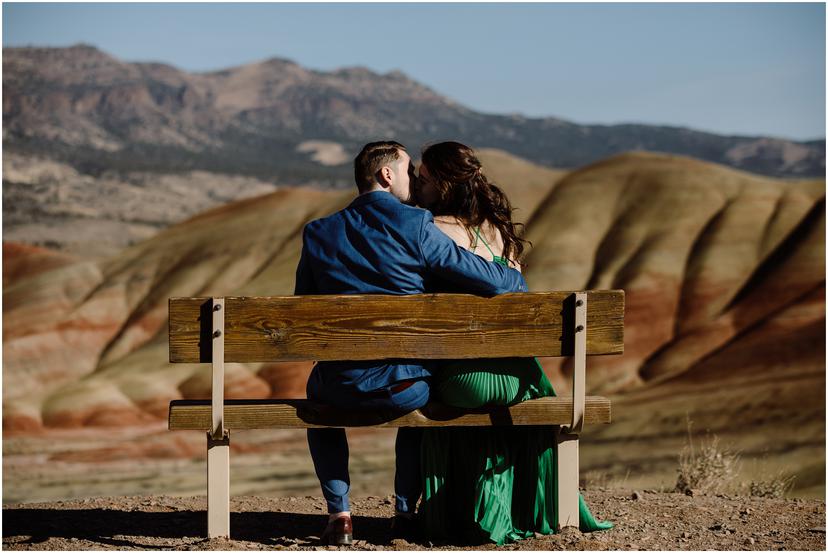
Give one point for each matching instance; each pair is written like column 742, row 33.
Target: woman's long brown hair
column 465, row 192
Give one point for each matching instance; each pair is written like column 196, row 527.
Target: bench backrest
column 427, row 326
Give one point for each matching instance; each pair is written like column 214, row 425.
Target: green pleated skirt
column 491, row 484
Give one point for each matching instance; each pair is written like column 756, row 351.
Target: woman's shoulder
column 449, row 224
column 454, row 228
column 492, row 236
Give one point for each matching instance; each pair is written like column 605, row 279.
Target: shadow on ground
column 114, row 528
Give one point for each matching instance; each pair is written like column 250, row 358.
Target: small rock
column 685, row 534
column 691, row 492
column 637, row 495
column 715, row 527
column 292, row 500
column 818, row 529
column 750, row 541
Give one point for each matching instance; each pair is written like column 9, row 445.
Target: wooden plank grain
column 363, row 327
column 262, row 414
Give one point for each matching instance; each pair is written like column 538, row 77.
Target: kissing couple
column 447, row 230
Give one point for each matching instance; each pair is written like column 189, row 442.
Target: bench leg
column 218, row 486
column 567, row 480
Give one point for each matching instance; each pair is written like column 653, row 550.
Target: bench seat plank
column 271, row 413
column 421, row 326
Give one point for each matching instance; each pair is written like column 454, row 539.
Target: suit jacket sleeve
column 305, row 284
column 445, row 259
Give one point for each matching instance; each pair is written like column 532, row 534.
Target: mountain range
column 278, row 121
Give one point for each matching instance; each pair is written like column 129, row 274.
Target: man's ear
column 385, row 176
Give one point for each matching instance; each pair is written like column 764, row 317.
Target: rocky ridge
column 50, row 203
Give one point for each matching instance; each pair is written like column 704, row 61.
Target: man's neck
column 386, row 190
column 375, row 188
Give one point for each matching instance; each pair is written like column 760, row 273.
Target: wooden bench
column 362, row 327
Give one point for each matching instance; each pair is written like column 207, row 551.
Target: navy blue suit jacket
column 378, row 245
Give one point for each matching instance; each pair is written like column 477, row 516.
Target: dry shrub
column 775, row 485
column 710, row 469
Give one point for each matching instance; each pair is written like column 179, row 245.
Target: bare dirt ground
column 645, row 520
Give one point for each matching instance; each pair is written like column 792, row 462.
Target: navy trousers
column 329, row 446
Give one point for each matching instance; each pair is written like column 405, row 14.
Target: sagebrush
column 775, row 485
column 710, row 468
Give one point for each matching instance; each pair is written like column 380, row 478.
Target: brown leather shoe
column 339, row 531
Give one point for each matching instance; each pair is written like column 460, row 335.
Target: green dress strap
column 500, row 260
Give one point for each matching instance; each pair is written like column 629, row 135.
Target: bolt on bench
column 363, row 327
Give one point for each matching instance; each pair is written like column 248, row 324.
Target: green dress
column 494, row 484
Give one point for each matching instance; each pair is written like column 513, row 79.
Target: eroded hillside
column 724, row 274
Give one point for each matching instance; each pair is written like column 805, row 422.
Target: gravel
column 652, row 521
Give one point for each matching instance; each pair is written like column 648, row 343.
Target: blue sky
column 746, row 69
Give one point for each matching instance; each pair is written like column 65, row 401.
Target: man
column 380, row 245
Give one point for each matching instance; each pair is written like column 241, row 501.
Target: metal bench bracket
column 567, row 438
column 579, row 365
column 218, row 439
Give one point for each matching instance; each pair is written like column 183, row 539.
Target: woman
column 484, row 484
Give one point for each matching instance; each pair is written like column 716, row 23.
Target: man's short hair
column 373, row 157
